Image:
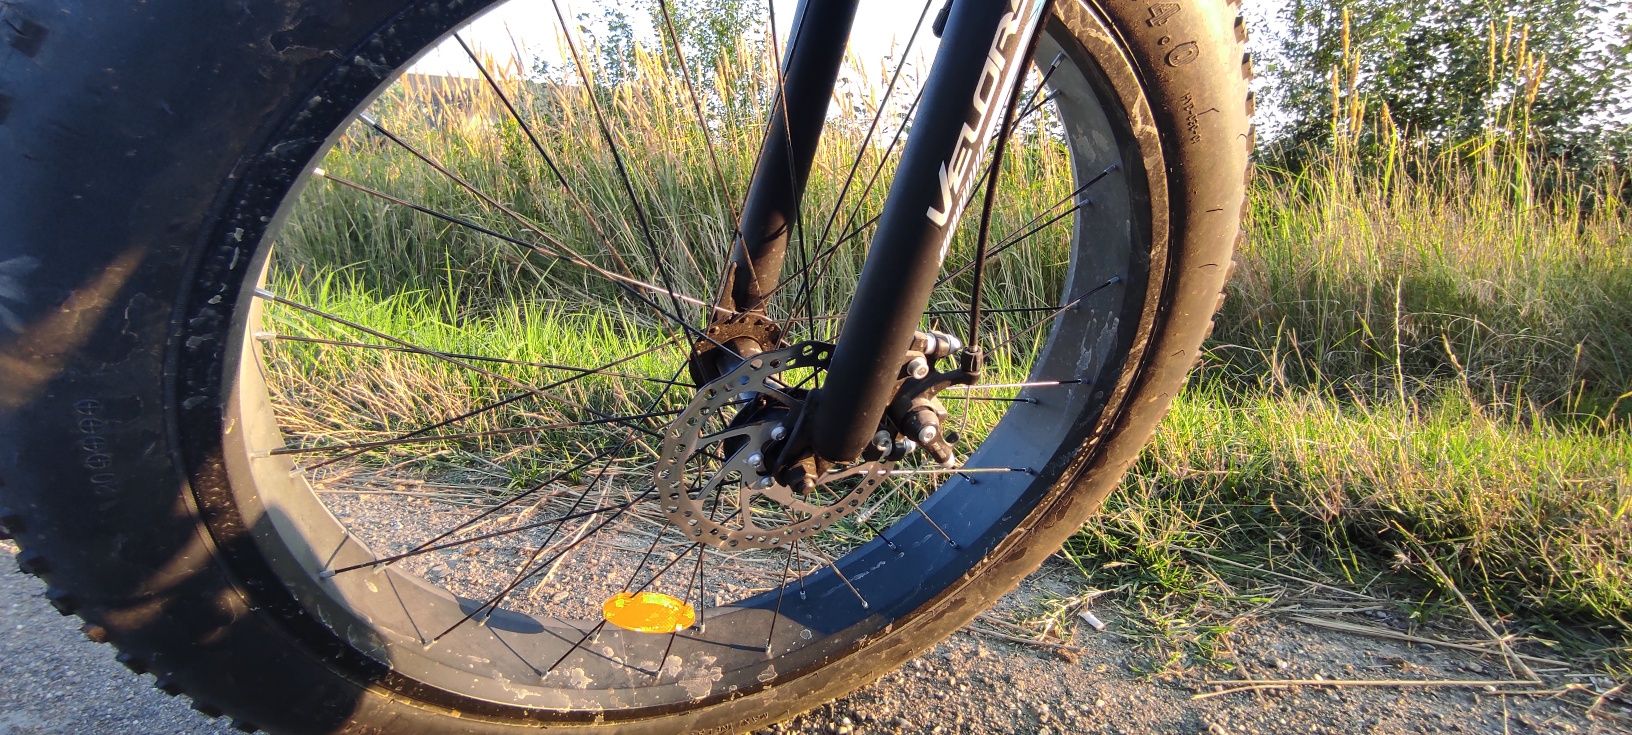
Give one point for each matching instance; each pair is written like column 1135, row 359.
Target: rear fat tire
column 125, row 132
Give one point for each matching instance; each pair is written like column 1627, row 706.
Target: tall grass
column 681, row 229
column 1426, row 350
column 1427, row 347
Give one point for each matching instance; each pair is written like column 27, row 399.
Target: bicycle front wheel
column 371, row 408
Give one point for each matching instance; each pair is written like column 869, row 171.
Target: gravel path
column 54, row 681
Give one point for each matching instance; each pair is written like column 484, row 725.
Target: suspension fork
column 810, row 68
column 981, row 58
column 983, row 43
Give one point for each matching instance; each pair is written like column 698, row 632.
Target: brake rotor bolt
column 757, row 460
column 764, row 482
column 918, row 368
column 778, row 433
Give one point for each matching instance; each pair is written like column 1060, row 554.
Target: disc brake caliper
column 916, row 415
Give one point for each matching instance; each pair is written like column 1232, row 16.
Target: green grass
column 1433, row 359
column 1421, row 353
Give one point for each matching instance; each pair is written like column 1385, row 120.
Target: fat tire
column 123, row 130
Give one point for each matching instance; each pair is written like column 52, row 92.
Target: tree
column 1450, row 69
column 710, row 31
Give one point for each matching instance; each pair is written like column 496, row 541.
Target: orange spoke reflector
column 648, row 612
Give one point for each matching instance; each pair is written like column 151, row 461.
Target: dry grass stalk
column 1513, row 658
column 1376, row 632
column 1234, row 686
column 1281, row 575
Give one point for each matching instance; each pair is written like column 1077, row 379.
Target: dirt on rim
column 55, row 681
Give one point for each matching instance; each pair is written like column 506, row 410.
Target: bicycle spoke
column 559, row 251
column 270, row 337
column 420, row 550
column 957, row 471
column 1016, row 237
column 663, row 660
column 826, row 256
column 840, row 573
column 460, row 181
column 878, row 115
column 617, row 160
column 523, row 574
column 820, row 256
column 781, row 590
column 493, row 602
column 511, row 431
column 489, row 513
column 269, row 296
column 1000, row 310
column 583, row 373
column 1000, row 399
column 601, row 625
column 896, row 491
column 549, row 161
column 796, row 232
column 1036, row 384
column 697, row 107
column 1112, row 281
column 865, row 521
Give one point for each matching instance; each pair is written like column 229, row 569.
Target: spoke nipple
column 326, row 574
column 266, row 336
column 265, row 294
column 320, row 173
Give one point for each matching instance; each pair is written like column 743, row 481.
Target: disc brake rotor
column 708, row 473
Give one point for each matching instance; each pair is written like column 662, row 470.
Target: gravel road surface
column 52, row 680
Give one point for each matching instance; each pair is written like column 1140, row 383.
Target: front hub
column 714, row 476
column 726, row 342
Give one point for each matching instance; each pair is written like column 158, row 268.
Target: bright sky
column 880, row 26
